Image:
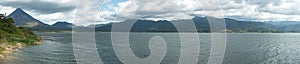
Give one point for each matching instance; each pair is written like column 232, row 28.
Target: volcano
column 21, row 18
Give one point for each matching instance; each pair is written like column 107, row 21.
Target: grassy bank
column 13, row 38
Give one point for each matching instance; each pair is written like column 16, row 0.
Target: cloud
column 87, row 12
column 42, row 6
column 170, row 9
column 50, row 11
column 261, row 10
column 154, row 9
column 284, row 7
column 54, row 17
column 6, row 10
column 262, row 3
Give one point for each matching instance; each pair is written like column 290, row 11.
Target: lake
column 242, row 48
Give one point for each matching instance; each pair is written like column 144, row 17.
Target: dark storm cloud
column 42, row 7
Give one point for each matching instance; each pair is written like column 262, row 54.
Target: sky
column 51, row 11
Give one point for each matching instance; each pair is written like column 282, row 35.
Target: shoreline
column 9, row 48
column 67, row 31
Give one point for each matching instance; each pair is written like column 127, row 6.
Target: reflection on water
column 241, row 49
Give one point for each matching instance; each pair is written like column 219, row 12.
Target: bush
column 10, row 33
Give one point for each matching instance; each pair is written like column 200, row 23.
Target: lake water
column 246, row 48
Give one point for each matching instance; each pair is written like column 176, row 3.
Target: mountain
column 96, row 25
column 291, row 28
column 249, row 26
column 279, row 24
column 201, row 23
column 21, row 18
column 63, row 26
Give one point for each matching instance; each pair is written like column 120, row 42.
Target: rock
column 19, row 45
column 1, row 56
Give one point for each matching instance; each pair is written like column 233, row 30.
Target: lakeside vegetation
column 12, row 37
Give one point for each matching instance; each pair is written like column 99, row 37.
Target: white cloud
column 41, row 6
column 6, row 10
column 155, row 9
column 87, row 12
column 285, row 7
column 54, row 17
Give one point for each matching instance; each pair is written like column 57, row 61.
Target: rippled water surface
column 251, row 48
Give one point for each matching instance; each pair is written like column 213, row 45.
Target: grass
column 10, row 35
column 1, row 49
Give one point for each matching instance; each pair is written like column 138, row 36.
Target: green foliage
column 11, row 34
column 1, row 49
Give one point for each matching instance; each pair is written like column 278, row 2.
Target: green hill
column 12, row 37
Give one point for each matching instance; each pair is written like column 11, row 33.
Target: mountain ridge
column 201, row 24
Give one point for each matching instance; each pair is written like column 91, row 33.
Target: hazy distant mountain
column 65, row 26
column 96, row 25
column 282, row 23
column 21, row 18
column 291, row 28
